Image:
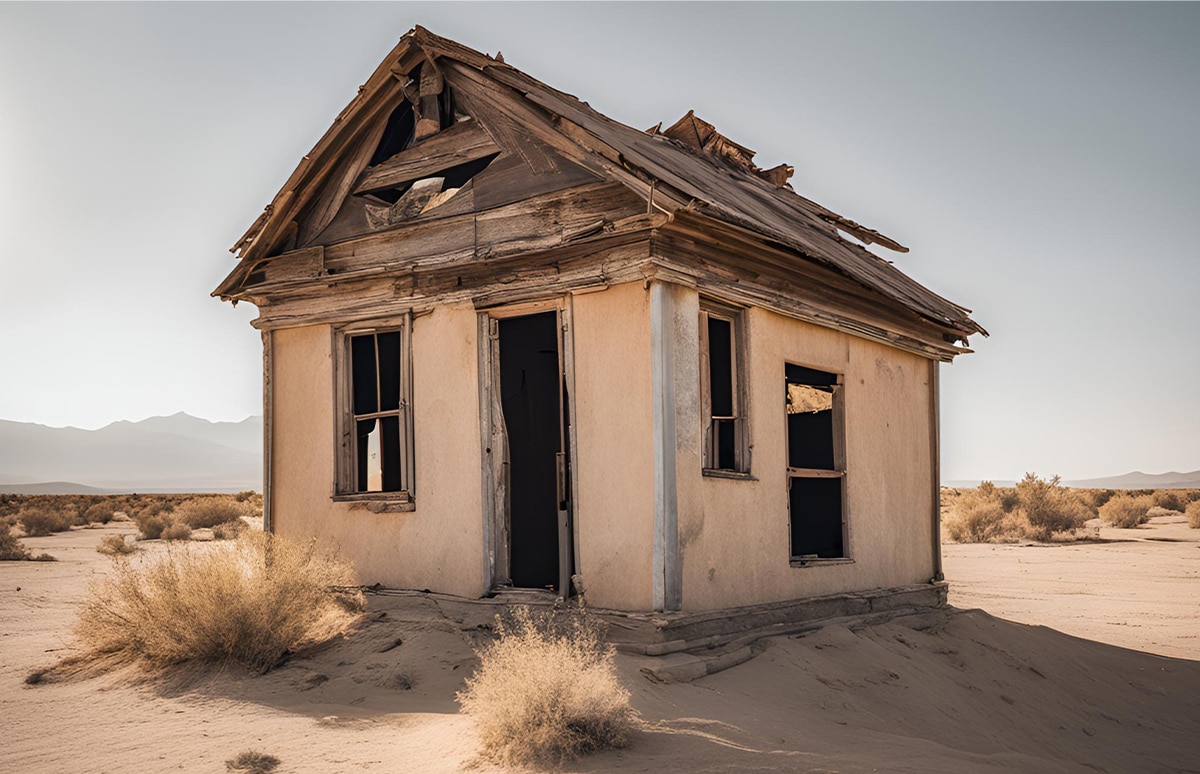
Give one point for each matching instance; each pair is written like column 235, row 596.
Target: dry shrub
column 1193, row 514
column 1049, row 509
column 981, row 520
column 251, row 602
column 546, row 691
column 229, row 530
column 252, row 761
column 1098, row 497
column 1036, row 509
column 100, row 513
column 115, row 545
column 1168, row 499
column 208, row 512
column 39, row 522
column 151, row 524
column 176, row 530
column 1126, row 511
column 11, row 549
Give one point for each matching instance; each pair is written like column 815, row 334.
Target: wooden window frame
column 346, row 462
column 735, row 316
column 838, row 470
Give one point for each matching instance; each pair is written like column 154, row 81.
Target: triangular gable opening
column 434, row 158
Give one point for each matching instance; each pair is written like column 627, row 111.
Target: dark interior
column 530, row 389
column 814, row 504
column 816, row 515
column 720, row 391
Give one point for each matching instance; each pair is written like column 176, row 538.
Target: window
column 376, row 458
column 816, row 464
column 722, row 394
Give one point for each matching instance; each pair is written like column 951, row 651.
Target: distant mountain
column 1135, row 480
column 51, row 487
column 175, row 453
column 1140, row 480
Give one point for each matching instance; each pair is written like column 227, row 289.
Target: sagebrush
column 1127, row 511
column 253, row 602
column 1036, row 509
column 546, row 691
column 115, row 545
column 11, row 549
column 209, row 511
column 39, row 522
column 253, row 762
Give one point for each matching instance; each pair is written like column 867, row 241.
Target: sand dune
column 949, row 691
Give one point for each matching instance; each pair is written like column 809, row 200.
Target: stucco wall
column 734, row 535
column 439, row 545
column 614, row 503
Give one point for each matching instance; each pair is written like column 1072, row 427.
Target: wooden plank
column 295, row 266
column 464, row 142
column 509, row 179
column 610, row 259
column 337, row 187
column 815, row 473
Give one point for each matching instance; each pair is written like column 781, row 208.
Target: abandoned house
column 508, row 341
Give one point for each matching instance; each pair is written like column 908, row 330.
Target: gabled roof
column 690, row 168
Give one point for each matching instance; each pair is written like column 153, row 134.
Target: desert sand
column 1086, row 659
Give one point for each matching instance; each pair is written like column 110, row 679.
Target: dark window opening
column 810, row 418
column 816, row 514
column 723, row 437
column 816, row 474
column 379, row 407
column 722, row 412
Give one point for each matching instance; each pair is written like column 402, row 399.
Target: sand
column 1113, row 686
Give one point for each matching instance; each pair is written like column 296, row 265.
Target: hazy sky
column 1042, row 162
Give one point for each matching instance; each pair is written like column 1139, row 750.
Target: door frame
column 493, row 445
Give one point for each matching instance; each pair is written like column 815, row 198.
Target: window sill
column 818, row 562
column 377, row 502
column 730, row 474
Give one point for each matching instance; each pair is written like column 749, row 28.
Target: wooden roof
column 688, row 169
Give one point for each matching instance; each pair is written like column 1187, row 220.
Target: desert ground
column 1052, row 658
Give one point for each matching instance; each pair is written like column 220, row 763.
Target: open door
column 530, row 446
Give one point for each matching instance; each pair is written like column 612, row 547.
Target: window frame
column 345, row 488
column 838, row 470
column 735, row 316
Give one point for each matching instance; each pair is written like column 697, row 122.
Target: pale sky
column 1042, row 162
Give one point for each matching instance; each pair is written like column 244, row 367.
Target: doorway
column 532, row 482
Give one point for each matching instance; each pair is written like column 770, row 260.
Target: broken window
column 722, row 395
column 816, row 466
column 377, row 431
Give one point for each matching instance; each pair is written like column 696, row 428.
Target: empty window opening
column 724, row 423
column 816, row 515
column 382, row 453
column 816, row 470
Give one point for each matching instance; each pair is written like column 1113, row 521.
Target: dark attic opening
column 398, row 134
column 428, row 153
